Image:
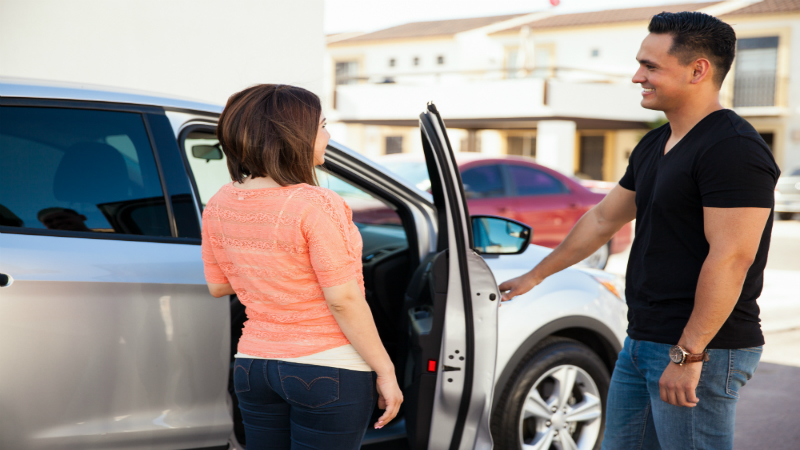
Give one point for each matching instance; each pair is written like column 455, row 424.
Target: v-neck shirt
column 721, row 163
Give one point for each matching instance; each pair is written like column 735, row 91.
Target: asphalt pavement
column 769, row 407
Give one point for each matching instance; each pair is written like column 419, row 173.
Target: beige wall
column 202, row 49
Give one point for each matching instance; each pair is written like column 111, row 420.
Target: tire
column 599, row 259
column 785, row 215
column 579, row 417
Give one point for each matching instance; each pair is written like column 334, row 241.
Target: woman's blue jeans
column 637, row 418
column 302, row 407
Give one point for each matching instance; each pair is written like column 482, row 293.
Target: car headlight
column 613, row 283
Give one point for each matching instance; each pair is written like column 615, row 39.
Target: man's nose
column 638, row 77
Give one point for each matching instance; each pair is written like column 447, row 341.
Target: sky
column 371, row 15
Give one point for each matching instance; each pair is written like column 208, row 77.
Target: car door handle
column 5, row 280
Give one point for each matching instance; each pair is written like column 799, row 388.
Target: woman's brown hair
column 269, row 130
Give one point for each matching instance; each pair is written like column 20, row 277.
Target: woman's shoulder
column 325, row 201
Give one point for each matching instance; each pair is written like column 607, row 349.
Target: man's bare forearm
column 589, row 234
column 718, row 289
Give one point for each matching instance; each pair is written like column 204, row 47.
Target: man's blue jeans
column 637, row 418
column 302, row 407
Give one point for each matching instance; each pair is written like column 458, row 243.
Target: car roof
column 62, row 90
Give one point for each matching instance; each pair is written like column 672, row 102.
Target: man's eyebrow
column 646, row 62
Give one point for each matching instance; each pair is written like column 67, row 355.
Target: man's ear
column 701, row 70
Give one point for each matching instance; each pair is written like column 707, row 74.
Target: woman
column 290, row 251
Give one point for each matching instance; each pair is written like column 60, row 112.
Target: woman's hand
column 389, row 398
column 518, row 286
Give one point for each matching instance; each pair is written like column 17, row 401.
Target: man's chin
column 648, row 104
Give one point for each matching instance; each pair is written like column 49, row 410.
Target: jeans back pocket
column 308, row 385
column 241, row 374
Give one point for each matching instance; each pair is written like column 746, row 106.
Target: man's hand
column 678, row 383
column 518, row 286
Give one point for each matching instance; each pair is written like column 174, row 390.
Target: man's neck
column 684, row 118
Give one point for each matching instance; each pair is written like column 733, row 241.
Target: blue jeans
column 299, row 406
column 637, row 418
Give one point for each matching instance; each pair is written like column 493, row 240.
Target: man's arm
column 592, row 231
column 733, row 235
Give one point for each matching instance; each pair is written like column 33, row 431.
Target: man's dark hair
column 695, row 34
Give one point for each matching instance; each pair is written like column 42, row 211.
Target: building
column 200, row 49
column 556, row 87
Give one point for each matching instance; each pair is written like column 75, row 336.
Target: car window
column 483, row 182
column 530, row 181
column 367, row 209
column 79, row 170
column 209, row 174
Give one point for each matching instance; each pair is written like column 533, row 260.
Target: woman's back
column 278, row 247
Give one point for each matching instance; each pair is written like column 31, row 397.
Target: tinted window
column 483, row 182
column 79, row 170
column 529, row 181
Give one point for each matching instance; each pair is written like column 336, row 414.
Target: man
column 701, row 189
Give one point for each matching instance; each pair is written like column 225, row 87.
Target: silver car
column 787, row 195
column 110, row 339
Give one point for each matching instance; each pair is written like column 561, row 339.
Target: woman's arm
column 354, row 317
column 220, row 290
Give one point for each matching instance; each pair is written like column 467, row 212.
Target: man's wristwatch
column 680, row 356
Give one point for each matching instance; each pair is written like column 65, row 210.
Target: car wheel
column 554, row 400
column 785, row 215
column 599, row 259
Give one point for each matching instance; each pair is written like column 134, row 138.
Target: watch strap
column 695, row 357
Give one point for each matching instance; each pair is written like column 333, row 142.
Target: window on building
column 756, row 72
column 592, row 154
column 483, row 182
column 347, row 72
column 521, row 146
column 440, row 60
column 595, row 52
column 416, row 60
column 769, row 138
column 471, row 143
column 511, row 66
column 394, row 144
column 392, row 62
column 530, row 181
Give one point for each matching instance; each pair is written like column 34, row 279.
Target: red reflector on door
column 431, row 365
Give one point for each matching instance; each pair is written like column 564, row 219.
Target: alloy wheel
column 562, row 411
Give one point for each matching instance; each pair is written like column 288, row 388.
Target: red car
column 518, row 188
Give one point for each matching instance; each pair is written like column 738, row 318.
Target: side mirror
column 494, row 235
column 207, row 152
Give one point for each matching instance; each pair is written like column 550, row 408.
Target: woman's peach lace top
column 278, row 247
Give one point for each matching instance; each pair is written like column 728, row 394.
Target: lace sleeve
column 331, row 237
column 212, row 269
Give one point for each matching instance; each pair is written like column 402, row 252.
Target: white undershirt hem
column 344, row 357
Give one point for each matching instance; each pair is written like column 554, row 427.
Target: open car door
column 452, row 316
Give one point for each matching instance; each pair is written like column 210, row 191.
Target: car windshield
column 414, row 172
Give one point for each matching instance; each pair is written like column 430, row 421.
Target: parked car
column 110, row 338
column 787, row 195
column 518, row 188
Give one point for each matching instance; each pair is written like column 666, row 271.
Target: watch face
column 675, row 354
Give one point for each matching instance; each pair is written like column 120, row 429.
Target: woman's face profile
column 322, row 141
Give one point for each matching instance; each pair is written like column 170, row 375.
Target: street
column 767, row 412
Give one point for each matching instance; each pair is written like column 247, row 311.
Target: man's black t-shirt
column 721, row 163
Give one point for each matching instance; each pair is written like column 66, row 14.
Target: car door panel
column 116, row 338
column 459, row 403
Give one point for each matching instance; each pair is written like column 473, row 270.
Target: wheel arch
column 586, row 330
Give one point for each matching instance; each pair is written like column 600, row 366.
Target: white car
column 110, row 338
